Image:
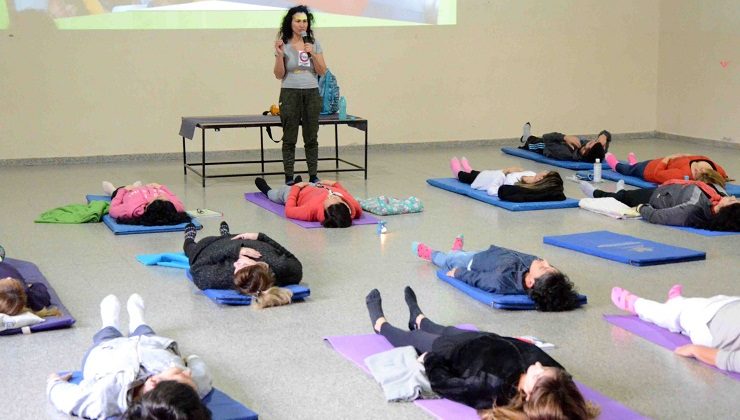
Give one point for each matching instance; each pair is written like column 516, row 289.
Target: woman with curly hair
column 505, row 271
column 18, row 296
column 501, row 377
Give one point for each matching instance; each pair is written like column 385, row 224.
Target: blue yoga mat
column 568, row 164
column 121, row 229
column 221, row 405
column 166, row 259
column 233, row 298
column 496, row 300
column 732, row 189
column 453, row 185
column 624, row 248
column 704, row 232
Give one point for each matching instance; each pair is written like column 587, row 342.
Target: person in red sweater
column 660, row 170
column 325, row 201
column 148, row 205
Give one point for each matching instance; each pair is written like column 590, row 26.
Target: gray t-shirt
column 299, row 69
column 725, row 329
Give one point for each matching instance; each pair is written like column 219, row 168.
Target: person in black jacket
column 567, row 147
column 251, row 263
column 499, row 376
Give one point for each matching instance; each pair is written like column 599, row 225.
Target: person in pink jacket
column 149, row 205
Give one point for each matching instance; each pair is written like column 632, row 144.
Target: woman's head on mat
column 727, row 216
column 159, row 212
column 258, row 280
column 170, row 399
column 549, row 288
column 542, row 181
column 13, row 299
column 337, row 213
column 545, row 393
column 297, row 20
column 711, row 176
column 591, row 151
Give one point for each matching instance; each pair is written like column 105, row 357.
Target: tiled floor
column 275, row 361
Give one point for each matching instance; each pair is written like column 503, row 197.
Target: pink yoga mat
column 357, row 347
column 657, row 335
column 261, row 200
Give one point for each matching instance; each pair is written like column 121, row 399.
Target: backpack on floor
column 329, row 91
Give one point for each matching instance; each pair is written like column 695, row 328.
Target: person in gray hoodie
column 118, row 371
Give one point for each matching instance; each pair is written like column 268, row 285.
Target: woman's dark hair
column 337, row 216
column 596, row 152
column 553, row 292
column 170, row 400
column 253, row 279
column 726, row 220
column 286, row 30
column 157, row 213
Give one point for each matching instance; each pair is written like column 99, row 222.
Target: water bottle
column 342, row 108
column 685, row 177
column 2, row 253
column 381, row 229
column 597, row 170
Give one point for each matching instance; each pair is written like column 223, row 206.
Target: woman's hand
column 301, row 184
column 686, row 350
column 249, row 252
column 512, row 169
column 249, row 236
column 451, row 273
column 308, row 47
column 327, row 182
column 279, row 48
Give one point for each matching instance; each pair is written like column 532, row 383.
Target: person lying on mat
column 325, row 201
column 148, row 205
column 504, row 271
column 694, row 204
column 18, row 296
column 251, row 263
column 126, row 374
column 529, row 186
column 660, row 170
column 502, row 377
column 711, row 323
column 567, row 147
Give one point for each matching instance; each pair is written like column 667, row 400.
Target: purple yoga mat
column 657, row 335
column 32, row 274
column 357, row 347
column 261, row 200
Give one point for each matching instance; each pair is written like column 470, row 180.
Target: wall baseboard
column 253, row 154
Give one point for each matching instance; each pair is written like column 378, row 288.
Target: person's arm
column 279, row 248
column 293, row 210
column 327, row 182
column 512, row 169
column 481, row 279
column 317, row 56
column 673, row 156
column 279, row 68
column 674, row 216
column 573, row 142
column 474, row 391
column 83, row 401
column 200, row 374
column 705, row 354
column 249, row 236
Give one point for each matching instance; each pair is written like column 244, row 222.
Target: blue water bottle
column 342, row 108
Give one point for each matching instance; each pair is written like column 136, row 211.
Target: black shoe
column 297, row 179
column 224, row 228
column 314, row 179
column 262, row 185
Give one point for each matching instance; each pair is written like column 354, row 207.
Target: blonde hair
column 13, row 300
column 710, row 176
column 552, row 398
column 259, row 281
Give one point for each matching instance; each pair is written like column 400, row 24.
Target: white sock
column 137, row 184
column 620, row 186
column 108, row 188
column 110, row 308
column 135, row 307
column 587, row 189
column 526, row 132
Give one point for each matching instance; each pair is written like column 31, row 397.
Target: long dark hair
column 157, row 213
column 169, row 400
column 727, row 219
column 286, row 31
column 337, row 216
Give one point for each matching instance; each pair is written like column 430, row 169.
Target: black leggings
column 467, row 177
column 421, row 339
column 628, row 197
column 189, row 246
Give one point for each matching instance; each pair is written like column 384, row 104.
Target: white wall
column 568, row 65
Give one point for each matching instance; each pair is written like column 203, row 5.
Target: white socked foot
column 110, row 310
column 135, row 307
column 108, row 188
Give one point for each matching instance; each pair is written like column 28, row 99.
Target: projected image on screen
column 3, row 15
column 232, row 14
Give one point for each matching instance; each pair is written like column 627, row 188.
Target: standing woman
column 299, row 60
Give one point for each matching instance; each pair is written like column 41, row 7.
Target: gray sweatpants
column 280, row 194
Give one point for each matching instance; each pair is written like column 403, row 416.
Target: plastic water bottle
column 342, row 108
column 685, row 177
column 381, row 229
column 2, row 253
column 597, row 170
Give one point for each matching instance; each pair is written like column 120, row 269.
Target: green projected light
column 3, row 15
column 236, row 14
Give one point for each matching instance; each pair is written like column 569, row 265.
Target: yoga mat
column 568, row 164
column 453, row 185
column 32, row 274
column 233, row 298
column 121, row 229
column 657, row 335
column 496, row 300
column 165, row 259
column 624, row 248
column 357, row 347
column 221, row 405
column 703, row 232
column 261, row 200
column 732, row 189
